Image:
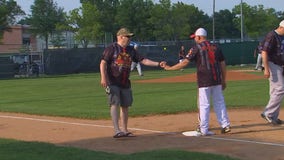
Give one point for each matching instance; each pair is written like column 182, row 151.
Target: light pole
column 213, row 26
column 242, row 23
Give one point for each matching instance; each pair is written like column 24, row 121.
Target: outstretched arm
column 148, row 62
column 178, row 66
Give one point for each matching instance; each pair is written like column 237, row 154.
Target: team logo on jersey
column 123, row 60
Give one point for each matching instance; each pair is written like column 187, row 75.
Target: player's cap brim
column 192, row 36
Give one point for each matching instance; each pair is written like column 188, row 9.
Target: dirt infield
column 251, row 137
column 236, row 75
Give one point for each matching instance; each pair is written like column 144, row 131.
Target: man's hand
column 224, row 85
column 167, row 67
column 163, row 64
column 104, row 82
column 266, row 73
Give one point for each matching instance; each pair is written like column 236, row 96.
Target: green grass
column 16, row 150
column 81, row 96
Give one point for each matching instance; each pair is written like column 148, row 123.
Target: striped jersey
column 207, row 57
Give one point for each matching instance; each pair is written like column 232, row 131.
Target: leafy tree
column 280, row 15
column 57, row 39
column 269, row 21
column 25, row 20
column 181, row 18
column 162, row 29
column 135, row 15
column 228, row 29
column 108, row 11
column 162, row 20
column 186, row 19
column 85, row 23
column 45, row 16
column 9, row 10
column 257, row 21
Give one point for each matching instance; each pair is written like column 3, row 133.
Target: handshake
column 177, row 66
column 163, row 64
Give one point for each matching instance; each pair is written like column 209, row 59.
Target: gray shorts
column 120, row 96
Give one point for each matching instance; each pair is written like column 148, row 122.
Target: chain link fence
column 84, row 60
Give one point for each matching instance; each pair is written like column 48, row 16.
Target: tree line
column 162, row 21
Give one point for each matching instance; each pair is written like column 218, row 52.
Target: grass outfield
column 81, row 96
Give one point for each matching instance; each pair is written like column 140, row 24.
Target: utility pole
column 242, row 23
column 213, row 27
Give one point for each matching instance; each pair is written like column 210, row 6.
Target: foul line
column 74, row 123
column 246, row 141
column 138, row 129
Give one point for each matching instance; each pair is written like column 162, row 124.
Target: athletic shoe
column 198, row 129
column 226, row 130
column 209, row 133
column 277, row 122
column 268, row 119
column 199, row 133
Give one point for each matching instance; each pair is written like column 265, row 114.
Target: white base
column 191, row 133
column 196, row 134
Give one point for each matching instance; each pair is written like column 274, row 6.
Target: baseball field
column 66, row 117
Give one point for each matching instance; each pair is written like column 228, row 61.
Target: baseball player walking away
column 273, row 60
column 211, row 78
column 136, row 64
column 257, row 54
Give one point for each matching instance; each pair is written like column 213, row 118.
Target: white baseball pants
column 205, row 94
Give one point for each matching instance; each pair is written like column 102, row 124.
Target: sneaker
column 199, row 133
column 268, row 119
column 277, row 122
column 209, row 133
column 198, row 129
column 226, row 130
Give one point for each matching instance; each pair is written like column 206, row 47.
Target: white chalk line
column 75, row 123
column 138, row 129
column 245, row 141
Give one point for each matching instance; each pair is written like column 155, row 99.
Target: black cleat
column 226, row 130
